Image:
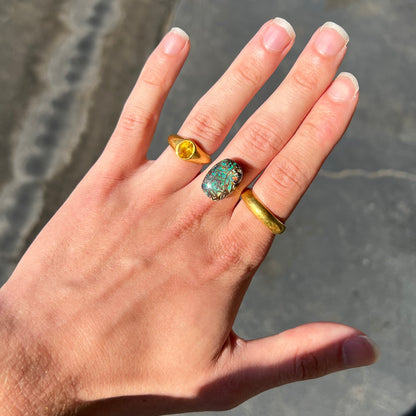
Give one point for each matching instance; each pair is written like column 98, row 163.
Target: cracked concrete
column 378, row 174
column 79, row 63
column 349, row 254
column 55, row 119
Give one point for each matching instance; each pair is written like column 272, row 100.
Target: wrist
column 29, row 381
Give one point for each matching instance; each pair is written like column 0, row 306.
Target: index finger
column 215, row 113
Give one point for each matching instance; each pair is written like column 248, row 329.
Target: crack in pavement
column 377, row 174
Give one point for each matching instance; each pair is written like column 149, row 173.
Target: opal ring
column 262, row 213
column 187, row 149
column 222, row 179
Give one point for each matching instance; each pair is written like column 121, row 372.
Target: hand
column 133, row 287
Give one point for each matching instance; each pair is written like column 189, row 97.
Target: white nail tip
column 285, row 25
column 180, row 32
column 352, row 78
column 339, row 29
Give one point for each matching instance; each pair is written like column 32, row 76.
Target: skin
column 133, row 286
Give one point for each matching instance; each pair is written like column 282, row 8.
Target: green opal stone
column 222, row 179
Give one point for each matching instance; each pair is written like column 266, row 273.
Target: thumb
column 308, row 351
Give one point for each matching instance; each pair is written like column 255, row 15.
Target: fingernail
column 331, row 39
column 359, row 351
column 278, row 35
column 174, row 41
column 344, row 87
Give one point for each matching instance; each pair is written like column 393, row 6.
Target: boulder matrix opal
column 222, row 179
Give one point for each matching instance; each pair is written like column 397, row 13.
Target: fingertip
column 278, row 35
column 345, row 87
column 352, row 78
column 338, row 28
column 175, row 41
column 285, row 25
column 360, row 351
column 180, row 32
column 331, row 39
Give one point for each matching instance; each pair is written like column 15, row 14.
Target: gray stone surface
column 67, row 68
column 349, row 254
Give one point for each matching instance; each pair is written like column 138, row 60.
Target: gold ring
column 187, row 149
column 262, row 213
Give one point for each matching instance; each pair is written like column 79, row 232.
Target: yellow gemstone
column 185, row 149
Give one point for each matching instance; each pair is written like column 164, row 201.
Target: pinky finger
column 130, row 141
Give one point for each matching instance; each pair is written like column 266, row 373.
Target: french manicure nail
column 174, row 41
column 359, row 351
column 331, row 39
column 344, row 87
column 278, row 35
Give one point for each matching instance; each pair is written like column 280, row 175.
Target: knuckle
column 248, row 71
column 205, row 123
column 190, row 219
column 307, row 366
column 231, row 253
column 134, row 119
column 306, row 79
column 320, row 127
column 311, row 130
column 261, row 137
column 154, row 76
column 289, row 177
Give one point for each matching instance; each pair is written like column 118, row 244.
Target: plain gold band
column 262, row 213
column 197, row 156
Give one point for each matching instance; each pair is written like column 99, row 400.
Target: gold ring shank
column 262, row 213
column 187, row 149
